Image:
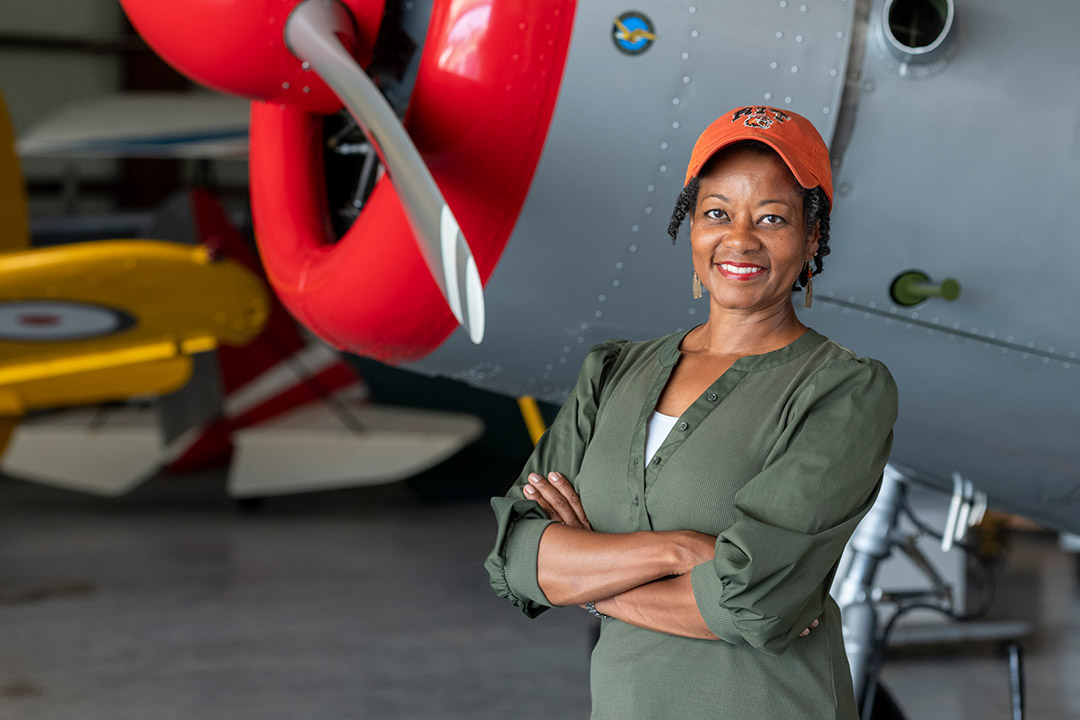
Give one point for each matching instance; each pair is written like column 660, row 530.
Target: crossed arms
column 641, row 578
column 767, row 574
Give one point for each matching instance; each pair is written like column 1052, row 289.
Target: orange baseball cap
column 789, row 134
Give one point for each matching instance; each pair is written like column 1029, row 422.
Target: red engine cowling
column 484, row 95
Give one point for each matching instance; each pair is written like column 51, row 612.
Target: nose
column 741, row 237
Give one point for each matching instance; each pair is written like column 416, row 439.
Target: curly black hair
column 815, row 208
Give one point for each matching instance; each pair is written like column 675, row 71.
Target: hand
column 558, row 499
column 806, row 632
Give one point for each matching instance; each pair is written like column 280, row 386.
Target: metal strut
column 870, row 544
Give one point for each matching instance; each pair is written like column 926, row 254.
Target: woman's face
column 748, row 235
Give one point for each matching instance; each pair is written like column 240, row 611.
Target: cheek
column 700, row 250
column 702, row 240
column 695, row 241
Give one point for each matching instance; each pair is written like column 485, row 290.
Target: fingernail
column 554, row 477
column 534, row 478
column 529, row 490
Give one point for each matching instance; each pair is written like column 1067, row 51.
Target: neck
column 730, row 332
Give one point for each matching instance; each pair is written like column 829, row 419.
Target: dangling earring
column 809, row 298
column 696, row 286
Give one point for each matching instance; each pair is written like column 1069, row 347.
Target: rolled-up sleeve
column 511, row 564
column 773, row 566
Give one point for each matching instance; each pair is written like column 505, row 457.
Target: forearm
column 576, row 565
column 666, row 606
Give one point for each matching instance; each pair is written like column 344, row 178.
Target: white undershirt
column 656, row 432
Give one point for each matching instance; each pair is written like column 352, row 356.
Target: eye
column 715, row 214
column 773, row 220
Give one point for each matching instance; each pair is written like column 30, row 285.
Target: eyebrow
column 769, row 201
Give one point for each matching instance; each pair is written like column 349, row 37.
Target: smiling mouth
column 740, row 271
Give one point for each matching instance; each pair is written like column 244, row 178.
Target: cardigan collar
column 670, row 353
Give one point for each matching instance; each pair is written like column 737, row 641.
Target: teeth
column 740, row 270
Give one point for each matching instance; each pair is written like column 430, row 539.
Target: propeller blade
column 312, row 34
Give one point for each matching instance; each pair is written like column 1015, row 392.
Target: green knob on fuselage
column 913, row 287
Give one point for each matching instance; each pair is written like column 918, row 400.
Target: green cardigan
column 780, row 458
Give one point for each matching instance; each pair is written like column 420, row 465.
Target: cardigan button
column 712, row 397
column 683, row 425
column 656, row 460
column 635, row 501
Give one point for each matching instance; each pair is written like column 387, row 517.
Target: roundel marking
column 633, row 32
column 59, row 321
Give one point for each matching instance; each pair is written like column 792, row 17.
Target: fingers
column 558, row 499
column 533, row 494
column 813, row 625
column 550, row 500
column 570, row 495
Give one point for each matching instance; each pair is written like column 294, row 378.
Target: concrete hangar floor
column 172, row 604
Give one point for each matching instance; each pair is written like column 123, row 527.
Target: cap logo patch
column 759, row 117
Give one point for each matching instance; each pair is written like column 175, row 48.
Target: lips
column 740, row 271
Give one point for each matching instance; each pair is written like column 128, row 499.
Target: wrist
column 666, row 552
column 607, row 606
column 591, row 607
column 683, row 557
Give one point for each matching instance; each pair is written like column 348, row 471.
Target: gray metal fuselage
column 968, row 167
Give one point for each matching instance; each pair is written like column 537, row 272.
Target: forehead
column 753, row 169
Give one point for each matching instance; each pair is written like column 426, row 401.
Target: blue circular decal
column 633, row 32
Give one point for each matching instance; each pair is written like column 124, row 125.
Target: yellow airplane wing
column 108, row 320
column 101, row 321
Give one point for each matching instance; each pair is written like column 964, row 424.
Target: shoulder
column 631, row 352
column 607, row 363
column 598, row 365
column 603, row 355
column 835, row 372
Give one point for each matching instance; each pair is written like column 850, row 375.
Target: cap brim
column 802, row 173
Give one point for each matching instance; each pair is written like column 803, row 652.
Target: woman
column 696, row 491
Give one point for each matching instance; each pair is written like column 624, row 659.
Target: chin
column 746, row 301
